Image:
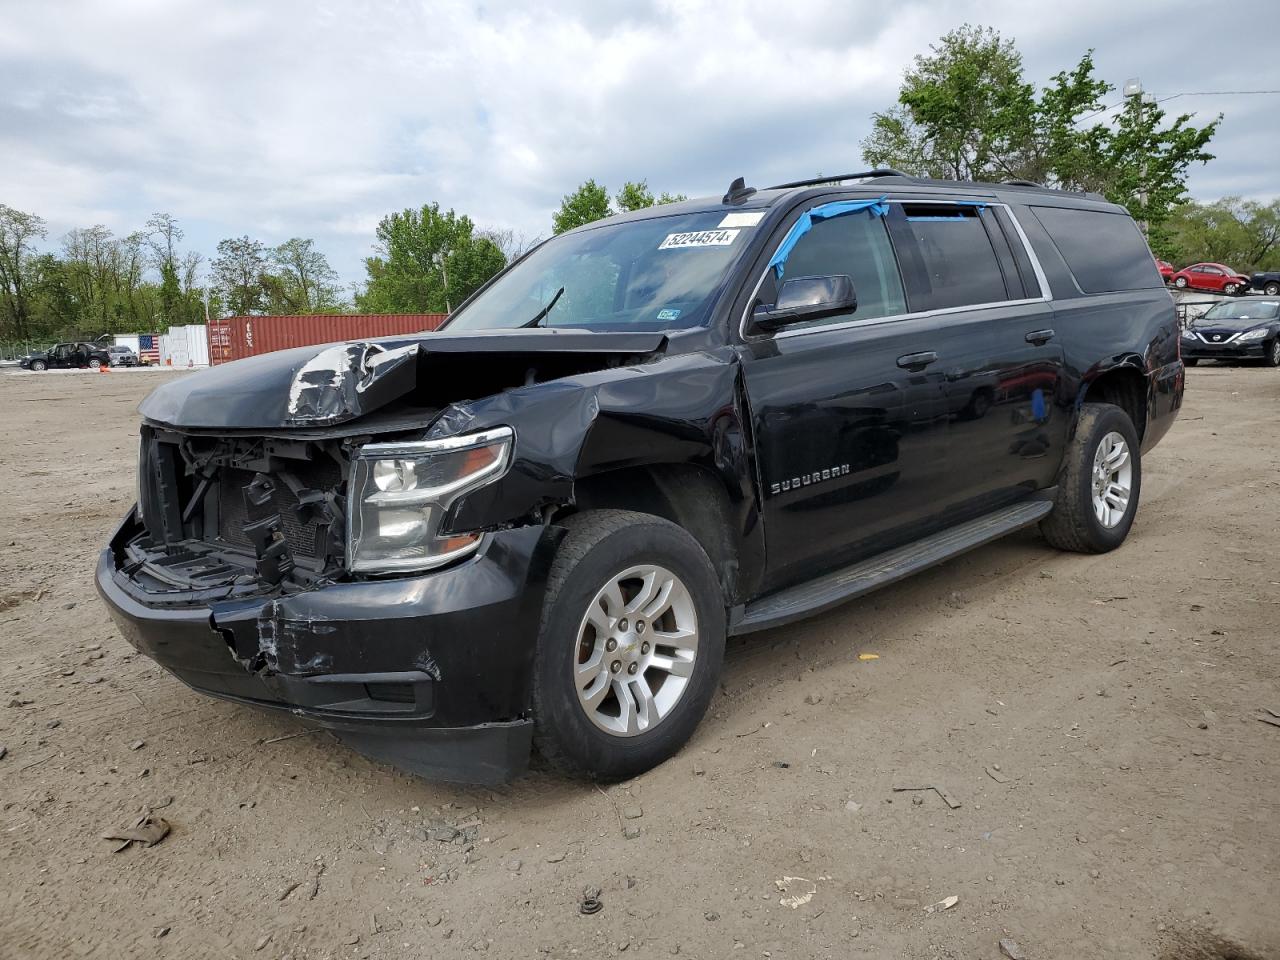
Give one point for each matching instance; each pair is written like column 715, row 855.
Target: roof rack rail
column 1024, row 183
column 880, row 172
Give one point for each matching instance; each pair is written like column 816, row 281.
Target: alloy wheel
column 1112, row 479
column 635, row 650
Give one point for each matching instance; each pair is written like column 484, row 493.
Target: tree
column 512, row 244
column 18, row 232
column 427, row 261
column 1242, row 233
column 240, row 275
column 590, row 202
column 303, row 282
column 966, row 112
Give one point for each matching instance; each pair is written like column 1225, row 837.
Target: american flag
column 149, row 347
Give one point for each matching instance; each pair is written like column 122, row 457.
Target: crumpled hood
column 331, row 384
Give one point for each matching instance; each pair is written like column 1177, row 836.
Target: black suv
column 538, row 525
column 80, row 355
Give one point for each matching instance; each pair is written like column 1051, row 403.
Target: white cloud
column 315, row 119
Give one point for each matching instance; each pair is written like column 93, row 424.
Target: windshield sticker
column 668, row 314
column 699, row 238
column 747, row 219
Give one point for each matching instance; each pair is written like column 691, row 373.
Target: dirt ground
column 1096, row 718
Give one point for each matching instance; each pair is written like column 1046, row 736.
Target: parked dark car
column 1268, row 282
column 82, row 355
column 122, row 356
column 1217, row 277
column 1244, row 330
column 714, row 417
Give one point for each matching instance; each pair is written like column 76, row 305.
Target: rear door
column 848, row 429
column 999, row 358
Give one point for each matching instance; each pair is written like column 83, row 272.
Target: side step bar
column 833, row 589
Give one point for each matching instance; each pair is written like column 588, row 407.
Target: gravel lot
column 1096, row 718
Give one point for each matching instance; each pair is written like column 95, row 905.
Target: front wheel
column 1272, row 289
column 1180, row 283
column 630, row 646
column 37, row 365
column 95, row 364
column 1273, row 353
column 1100, row 483
column 1230, row 289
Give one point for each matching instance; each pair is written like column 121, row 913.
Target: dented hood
column 331, row 384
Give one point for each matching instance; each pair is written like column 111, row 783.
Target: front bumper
column 429, row 673
column 1198, row 350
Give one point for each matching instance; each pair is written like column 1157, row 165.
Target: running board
column 815, row 596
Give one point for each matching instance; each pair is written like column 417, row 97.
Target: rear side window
column 958, row 265
column 1105, row 251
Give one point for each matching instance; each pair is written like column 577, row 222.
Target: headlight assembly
column 401, row 493
column 1253, row 334
column 1188, row 335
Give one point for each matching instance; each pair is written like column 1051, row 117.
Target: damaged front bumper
column 428, row 673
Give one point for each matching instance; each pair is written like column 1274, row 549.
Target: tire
column 1074, row 523
column 1272, row 289
column 37, row 365
column 1191, row 362
column 95, row 364
column 1230, row 289
column 1180, row 283
column 1272, row 358
column 600, row 548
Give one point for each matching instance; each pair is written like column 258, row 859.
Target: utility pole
column 1133, row 91
column 445, row 275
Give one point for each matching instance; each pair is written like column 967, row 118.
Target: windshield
column 657, row 274
column 1266, row 310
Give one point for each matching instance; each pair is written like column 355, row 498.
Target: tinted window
column 857, row 246
column 1105, row 251
column 958, row 263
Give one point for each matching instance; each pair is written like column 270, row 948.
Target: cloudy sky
column 282, row 118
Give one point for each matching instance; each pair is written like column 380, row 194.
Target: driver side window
column 856, row 245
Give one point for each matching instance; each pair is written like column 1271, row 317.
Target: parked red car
column 1211, row 276
column 1167, row 270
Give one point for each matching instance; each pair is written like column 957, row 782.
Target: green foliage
column 303, row 281
column 590, row 202
column 240, row 275
column 587, row 204
column 18, row 233
column 966, row 112
column 427, row 262
column 1244, row 234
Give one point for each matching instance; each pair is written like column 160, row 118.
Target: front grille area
column 305, row 537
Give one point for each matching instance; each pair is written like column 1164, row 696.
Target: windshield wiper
column 542, row 314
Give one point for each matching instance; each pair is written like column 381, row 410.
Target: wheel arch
column 1126, row 386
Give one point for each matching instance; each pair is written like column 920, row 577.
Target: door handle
column 1039, row 337
column 917, row 361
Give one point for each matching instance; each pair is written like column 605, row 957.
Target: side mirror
column 808, row 298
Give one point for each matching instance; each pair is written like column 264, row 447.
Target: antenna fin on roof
column 738, row 191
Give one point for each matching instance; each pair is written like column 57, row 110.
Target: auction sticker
column 699, row 238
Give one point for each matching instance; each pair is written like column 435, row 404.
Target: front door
column 848, row 427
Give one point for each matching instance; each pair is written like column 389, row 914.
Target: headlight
column 1188, row 335
column 1253, row 334
column 401, row 493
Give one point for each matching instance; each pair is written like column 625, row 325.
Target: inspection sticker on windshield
column 699, row 238
column 748, row 218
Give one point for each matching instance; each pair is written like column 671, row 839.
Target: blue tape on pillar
column 825, row 211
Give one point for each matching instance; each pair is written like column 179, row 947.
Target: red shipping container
column 233, row 338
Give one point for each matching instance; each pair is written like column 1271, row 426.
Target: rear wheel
column 37, row 365
column 1272, row 289
column 1100, row 483
column 630, row 646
